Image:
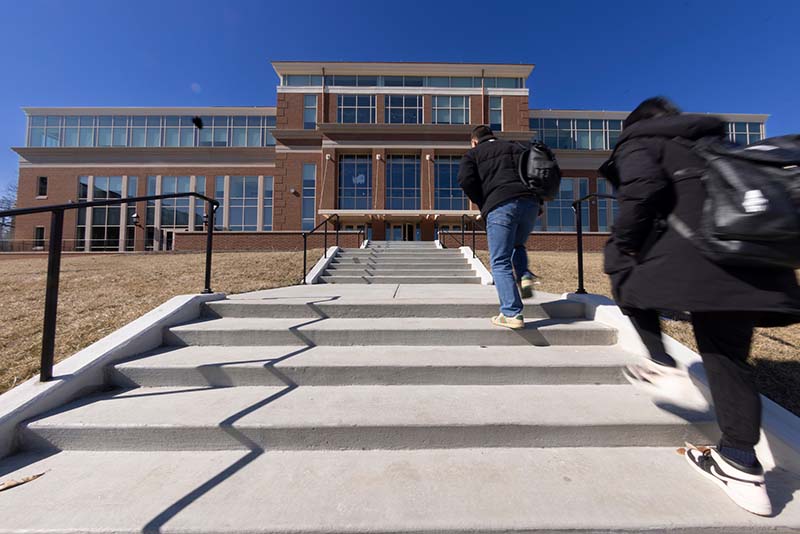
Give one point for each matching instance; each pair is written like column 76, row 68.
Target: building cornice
column 509, row 70
column 621, row 115
column 383, row 90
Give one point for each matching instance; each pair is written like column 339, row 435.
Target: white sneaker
column 744, row 485
column 666, row 384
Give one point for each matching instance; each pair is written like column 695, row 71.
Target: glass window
column 243, row 204
column 451, row 110
column 267, row 209
column 402, row 182
column 200, row 205
column 400, row 109
column 41, row 186
column 496, row 113
column 607, row 208
column 219, row 196
column 449, row 195
column 104, row 229
column 356, row 109
column 309, row 196
column 559, row 215
column 355, row 182
column 309, row 112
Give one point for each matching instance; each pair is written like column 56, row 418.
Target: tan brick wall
column 515, row 114
column 477, row 110
column 287, row 210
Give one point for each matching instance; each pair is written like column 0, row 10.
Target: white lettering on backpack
column 754, row 202
column 763, row 148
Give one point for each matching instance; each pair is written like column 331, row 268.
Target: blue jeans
column 508, row 227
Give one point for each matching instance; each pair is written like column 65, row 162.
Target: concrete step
column 389, row 267
column 365, row 417
column 422, row 278
column 410, row 331
column 536, row 308
column 389, row 271
column 465, row 491
column 427, row 264
column 344, row 366
column 401, row 254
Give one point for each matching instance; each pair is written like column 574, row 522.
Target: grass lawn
column 775, row 353
column 101, row 293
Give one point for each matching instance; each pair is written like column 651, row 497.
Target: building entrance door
column 403, row 232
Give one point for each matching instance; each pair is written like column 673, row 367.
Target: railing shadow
column 255, row 450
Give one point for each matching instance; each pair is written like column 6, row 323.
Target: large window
column 451, row 110
column 607, row 208
column 309, row 112
column 402, row 183
column 140, row 131
column 496, row 113
column 243, row 204
column 130, row 209
column 577, row 134
column 355, row 182
column 309, row 210
column 403, row 109
column 269, row 187
column 105, row 223
column 356, row 109
column 214, row 132
column 372, row 80
column 83, row 196
column 178, row 131
column 559, row 215
column 449, row 195
column 175, row 211
column 219, row 196
column 744, row 133
column 145, row 131
column 45, row 131
column 246, row 131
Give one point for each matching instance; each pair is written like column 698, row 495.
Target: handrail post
column 305, row 255
column 473, row 240
column 51, row 295
column 578, row 219
column 209, row 246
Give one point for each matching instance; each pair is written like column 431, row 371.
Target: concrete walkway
column 381, row 408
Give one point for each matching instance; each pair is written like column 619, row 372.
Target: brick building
column 376, row 143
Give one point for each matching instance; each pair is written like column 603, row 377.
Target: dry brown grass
column 100, row 293
column 775, row 353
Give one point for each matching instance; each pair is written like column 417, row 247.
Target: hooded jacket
column 652, row 266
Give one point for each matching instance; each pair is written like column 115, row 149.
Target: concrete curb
column 477, row 264
column 780, row 429
column 438, row 244
column 86, row 370
column 365, row 244
column 316, row 272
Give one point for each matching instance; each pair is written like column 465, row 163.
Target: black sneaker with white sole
column 744, row 485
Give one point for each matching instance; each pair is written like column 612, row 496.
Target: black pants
column 723, row 339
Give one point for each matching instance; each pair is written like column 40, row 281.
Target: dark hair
column 481, row 131
column 651, row 108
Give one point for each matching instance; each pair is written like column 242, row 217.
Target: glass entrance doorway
column 403, row 232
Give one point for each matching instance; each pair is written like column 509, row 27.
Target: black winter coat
column 652, row 266
column 488, row 173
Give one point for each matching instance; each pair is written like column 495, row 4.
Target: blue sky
column 733, row 56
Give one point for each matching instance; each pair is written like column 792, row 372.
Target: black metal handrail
column 54, row 259
column 464, row 219
column 325, row 246
column 576, row 207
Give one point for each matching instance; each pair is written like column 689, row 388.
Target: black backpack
column 751, row 214
column 539, row 171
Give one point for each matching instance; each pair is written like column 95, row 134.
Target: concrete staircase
column 382, row 409
column 400, row 262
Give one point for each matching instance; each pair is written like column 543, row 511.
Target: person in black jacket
column 488, row 175
column 653, row 268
